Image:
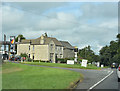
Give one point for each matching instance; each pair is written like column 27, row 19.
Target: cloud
column 85, row 24
column 106, row 10
column 62, row 21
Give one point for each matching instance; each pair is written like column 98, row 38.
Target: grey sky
column 81, row 23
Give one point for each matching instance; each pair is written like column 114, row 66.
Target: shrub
column 64, row 60
column 37, row 61
column 80, row 60
column 24, row 55
column 28, row 59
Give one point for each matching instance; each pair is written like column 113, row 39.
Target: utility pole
column 4, row 42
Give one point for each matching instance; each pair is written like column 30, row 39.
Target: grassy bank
column 63, row 65
column 18, row 76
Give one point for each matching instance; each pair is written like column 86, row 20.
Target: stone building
column 45, row 48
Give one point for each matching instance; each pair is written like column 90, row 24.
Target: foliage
column 37, row 61
column 24, row 55
column 87, row 53
column 108, row 54
column 64, row 60
column 111, row 53
column 29, row 59
column 21, row 37
column 79, row 60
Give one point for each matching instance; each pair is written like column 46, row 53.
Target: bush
column 24, row 55
column 28, row 59
column 79, row 61
column 64, row 60
column 36, row 60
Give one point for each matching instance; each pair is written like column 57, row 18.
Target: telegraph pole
column 4, row 42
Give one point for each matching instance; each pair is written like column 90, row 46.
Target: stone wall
column 68, row 53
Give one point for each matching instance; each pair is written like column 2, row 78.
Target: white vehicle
column 118, row 73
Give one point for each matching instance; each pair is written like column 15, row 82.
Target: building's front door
column 56, row 58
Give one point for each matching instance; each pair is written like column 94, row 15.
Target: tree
column 87, row 53
column 105, row 55
column 111, row 53
column 46, row 35
column 21, row 37
column 16, row 40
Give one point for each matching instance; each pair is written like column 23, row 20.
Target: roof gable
column 46, row 41
column 67, row 44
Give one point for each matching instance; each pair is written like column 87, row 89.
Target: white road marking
column 99, row 81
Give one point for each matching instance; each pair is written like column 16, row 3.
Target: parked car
column 118, row 73
column 17, row 58
column 114, row 65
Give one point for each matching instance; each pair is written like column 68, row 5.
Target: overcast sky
column 81, row 23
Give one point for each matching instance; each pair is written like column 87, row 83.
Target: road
column 110, row 83
column 91, row 77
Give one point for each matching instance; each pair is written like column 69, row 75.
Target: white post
column 75, row 57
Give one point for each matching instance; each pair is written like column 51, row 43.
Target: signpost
column 12, row 43
column 102, row 65
column 84, row 63
column 70, row 61
column 98, row 64
column 75, row 51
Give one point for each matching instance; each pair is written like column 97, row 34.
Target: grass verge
column 18, row 76
column 63, row 65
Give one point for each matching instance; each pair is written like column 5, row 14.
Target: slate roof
column 67, row 44
column 46, row 39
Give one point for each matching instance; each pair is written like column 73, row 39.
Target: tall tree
column 111, row 53
column 19, row 36
column 16, row 40
column 87, row 53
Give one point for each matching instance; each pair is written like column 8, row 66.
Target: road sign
column 70, row 61
column 84, row 63
column 98, row 64
column 102, row 66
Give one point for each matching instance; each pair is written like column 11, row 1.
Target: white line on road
column 99, row 81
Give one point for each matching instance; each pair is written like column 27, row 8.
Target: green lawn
column 63, row 65
column 0, row 76
column 19, row 76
